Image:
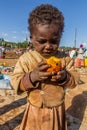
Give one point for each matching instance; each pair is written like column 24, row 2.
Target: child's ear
column 31, row 38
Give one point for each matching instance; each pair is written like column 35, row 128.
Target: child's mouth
column 47, row 54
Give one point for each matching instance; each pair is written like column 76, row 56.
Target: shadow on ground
column 14, row 122
column 78, row 107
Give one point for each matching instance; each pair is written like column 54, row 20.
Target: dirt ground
column 12, row 106
column 76, row 104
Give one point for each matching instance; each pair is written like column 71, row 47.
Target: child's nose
column 48, row 45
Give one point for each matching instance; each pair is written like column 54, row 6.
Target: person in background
column 45, row 90
column 73, row 53
column 79, row 61
column 3, row 53
column 0, row 52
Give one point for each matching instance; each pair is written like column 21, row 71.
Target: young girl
column 46, row 90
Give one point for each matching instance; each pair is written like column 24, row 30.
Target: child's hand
column 40, row 73
column 59, row 76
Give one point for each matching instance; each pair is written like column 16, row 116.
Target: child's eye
column 42, row 41
column 53, row 41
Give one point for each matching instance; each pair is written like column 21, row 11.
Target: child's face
column 45, row 39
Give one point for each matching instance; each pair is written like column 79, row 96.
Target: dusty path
column 76, row 104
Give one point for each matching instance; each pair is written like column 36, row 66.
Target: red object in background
column 3, row 57
column 5, row 70
column 79, row 62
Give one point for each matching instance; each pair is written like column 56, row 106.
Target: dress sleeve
column 18, row 73
column 73, row 76
column 26, row 84
column 68, row 82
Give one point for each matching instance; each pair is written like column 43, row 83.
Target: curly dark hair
column 46, row 14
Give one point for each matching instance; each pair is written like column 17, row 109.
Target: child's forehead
column 46, row 25
column 52, row 28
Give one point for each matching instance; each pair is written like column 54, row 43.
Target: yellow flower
column 55, row 64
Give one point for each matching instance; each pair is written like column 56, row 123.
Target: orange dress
column 43, row 118
column 45, row 107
